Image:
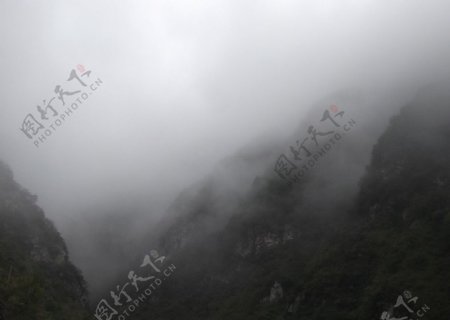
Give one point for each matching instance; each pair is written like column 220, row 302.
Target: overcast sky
column 188, row 82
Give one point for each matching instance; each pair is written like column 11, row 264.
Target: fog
column 188, row 83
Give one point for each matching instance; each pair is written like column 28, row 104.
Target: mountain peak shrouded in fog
column 38, row 280
column 323, row 247
column 248, row 243
column 186, row 84
column 284, row 157
column 119, row 232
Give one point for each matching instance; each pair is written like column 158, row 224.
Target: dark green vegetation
column 316, row 250
column 349, row 262
column 37, row 281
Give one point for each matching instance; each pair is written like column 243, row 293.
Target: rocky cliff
column 288, row 253
column 37, row 280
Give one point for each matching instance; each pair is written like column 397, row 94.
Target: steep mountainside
column 37, row 281
column 288, row 253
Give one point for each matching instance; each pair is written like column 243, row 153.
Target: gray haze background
column 187, row 83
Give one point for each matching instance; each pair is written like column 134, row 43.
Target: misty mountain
column 328, row 246
column 227, row 159
column 37, row 280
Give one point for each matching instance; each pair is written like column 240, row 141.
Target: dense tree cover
column 350, row 265
column 37, row 281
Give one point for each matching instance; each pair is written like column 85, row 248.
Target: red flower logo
column 80, row 68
